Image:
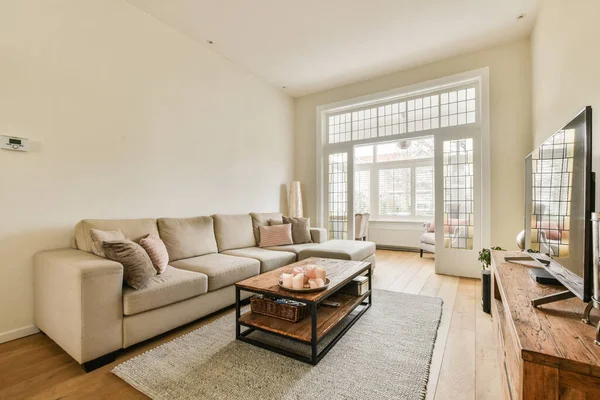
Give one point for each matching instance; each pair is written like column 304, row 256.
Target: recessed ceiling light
column 285, row 87
column 209, row 42
column 521, row 16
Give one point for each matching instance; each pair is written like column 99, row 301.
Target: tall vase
column 295, row 200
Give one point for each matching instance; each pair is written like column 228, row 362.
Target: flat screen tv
column 559, row 200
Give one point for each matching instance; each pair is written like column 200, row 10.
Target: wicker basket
column 282, row 311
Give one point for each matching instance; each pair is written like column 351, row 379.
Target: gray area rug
column 385, row 355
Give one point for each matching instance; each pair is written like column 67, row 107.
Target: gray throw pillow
column 300, row 229
column 137, row 266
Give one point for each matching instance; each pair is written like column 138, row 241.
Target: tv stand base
column 551, row 298
column 586, row 318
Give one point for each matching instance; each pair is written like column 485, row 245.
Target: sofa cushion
column 293, row 248
column 234, row 231
column 269, row 259
column 171, row 286
column 133, row 229
column 264, row 219
column 340, row 249
column 187, row 237
column 428, row 237
column 222, row 270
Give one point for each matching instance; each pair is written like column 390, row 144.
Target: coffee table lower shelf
column 311, row 330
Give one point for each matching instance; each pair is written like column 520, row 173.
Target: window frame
column 479, row 77
column 374, row 169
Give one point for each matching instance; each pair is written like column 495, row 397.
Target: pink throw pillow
column 157, row 251
column 276, row 235
column 431, row 227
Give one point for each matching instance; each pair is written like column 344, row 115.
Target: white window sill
column 397, row 221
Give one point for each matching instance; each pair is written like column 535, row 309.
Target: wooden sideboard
column 545, row 352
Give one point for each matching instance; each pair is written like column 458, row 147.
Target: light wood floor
column 464, row 361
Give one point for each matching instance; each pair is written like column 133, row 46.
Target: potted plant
column 485, row 257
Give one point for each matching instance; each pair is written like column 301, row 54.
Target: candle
column 316, row 283
column 310, row 271
column 298, row 281
column 298, row 270
column 321, row 273
column 286, row 280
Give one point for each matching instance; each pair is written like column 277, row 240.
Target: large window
column 394, row 180
column 388, row 148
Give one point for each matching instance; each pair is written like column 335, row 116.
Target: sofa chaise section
column 355, row 250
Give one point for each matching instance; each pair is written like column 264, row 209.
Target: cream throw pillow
column 99, row 236
column 157, row 251
column 277, row 235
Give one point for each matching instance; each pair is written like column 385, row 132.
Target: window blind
column 395, row 192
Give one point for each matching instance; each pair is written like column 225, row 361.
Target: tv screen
column 559, row 202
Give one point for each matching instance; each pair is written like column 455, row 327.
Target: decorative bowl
column 307, row 290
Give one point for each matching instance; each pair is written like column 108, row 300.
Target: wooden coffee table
column 312, row 329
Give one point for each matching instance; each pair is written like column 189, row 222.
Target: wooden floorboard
column 464, row 364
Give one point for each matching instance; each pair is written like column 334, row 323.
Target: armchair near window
column 428, row 238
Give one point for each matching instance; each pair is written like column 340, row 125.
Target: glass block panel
column 457, row 107
column 339, row 128
column 392, row 119
column 395, row 192
column 364, row 124
column 362, row 192
column 458, row 193
column 552, row 169
column 338, row 196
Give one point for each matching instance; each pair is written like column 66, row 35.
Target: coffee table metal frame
column 316, row 356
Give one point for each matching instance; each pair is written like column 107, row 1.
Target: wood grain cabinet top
column 545, row 352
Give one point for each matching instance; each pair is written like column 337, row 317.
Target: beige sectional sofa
column 82, row 304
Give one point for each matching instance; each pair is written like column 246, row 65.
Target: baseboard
column 397, row 248
column 18, row 333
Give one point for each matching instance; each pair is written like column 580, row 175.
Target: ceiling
column 313, row 45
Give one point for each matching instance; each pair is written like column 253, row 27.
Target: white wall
column 566, row 68
column 128, row 118
column 510, row 126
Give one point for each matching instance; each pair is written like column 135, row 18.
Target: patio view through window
column 394, row 180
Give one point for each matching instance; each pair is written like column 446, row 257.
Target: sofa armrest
column 318, row 235
column 78, row 302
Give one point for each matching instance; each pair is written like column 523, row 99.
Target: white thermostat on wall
column 14, row 143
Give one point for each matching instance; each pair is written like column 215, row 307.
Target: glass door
column 458, row 201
